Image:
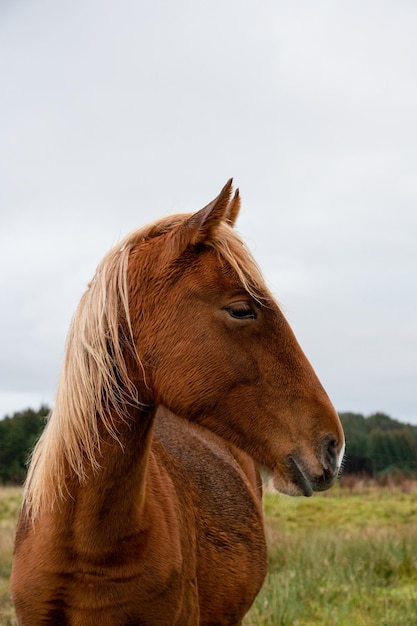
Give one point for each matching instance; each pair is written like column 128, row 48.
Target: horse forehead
column 209, row 270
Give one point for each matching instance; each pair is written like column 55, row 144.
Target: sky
column 113, row 114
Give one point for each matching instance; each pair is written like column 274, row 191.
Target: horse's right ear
column 201, row 225
column 234, row 208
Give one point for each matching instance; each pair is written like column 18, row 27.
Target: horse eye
column 241, row 311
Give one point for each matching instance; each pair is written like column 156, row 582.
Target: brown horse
column 135, row 516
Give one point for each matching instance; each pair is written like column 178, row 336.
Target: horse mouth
column 298, row 474
column 304, row 482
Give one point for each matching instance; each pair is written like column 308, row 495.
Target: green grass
column 340, row 560
column 344, row 558
column 9, row 506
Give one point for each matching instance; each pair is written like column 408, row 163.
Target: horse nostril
column 332, row 446
column 330, row 453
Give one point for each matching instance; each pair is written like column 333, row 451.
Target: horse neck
column 112, row 499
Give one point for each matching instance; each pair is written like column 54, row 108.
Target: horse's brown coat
column 133, row 515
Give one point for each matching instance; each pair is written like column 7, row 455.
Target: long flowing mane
column 95, row 389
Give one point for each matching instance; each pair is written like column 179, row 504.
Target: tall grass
column 340, row 560
column 345, row 558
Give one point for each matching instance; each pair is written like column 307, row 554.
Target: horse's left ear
column 202, row 224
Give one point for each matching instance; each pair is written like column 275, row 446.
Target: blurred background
column 115, row 113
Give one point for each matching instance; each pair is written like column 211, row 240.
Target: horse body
column 102, row 561
column 131, row 514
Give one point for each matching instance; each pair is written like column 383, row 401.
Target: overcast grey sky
column 114, row 113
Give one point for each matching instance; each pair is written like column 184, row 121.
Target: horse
column 181, row 378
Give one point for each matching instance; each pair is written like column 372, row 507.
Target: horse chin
column 287, row 488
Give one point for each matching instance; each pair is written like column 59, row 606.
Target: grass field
column 344, row 558
column 9, row 506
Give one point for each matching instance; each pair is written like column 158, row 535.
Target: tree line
column 386, row 445
column 389, row 444
column 18, row 435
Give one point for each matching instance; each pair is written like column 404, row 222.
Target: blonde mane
column 95, row 390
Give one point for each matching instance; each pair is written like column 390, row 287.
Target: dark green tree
column 354, row 426
column 18, row 435
column 390, row 444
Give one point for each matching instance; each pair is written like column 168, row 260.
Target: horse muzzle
column 330, row 456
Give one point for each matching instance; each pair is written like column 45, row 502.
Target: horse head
column 215, row 348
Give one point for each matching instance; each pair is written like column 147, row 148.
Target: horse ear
column 201, row 224
column 234, row 208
